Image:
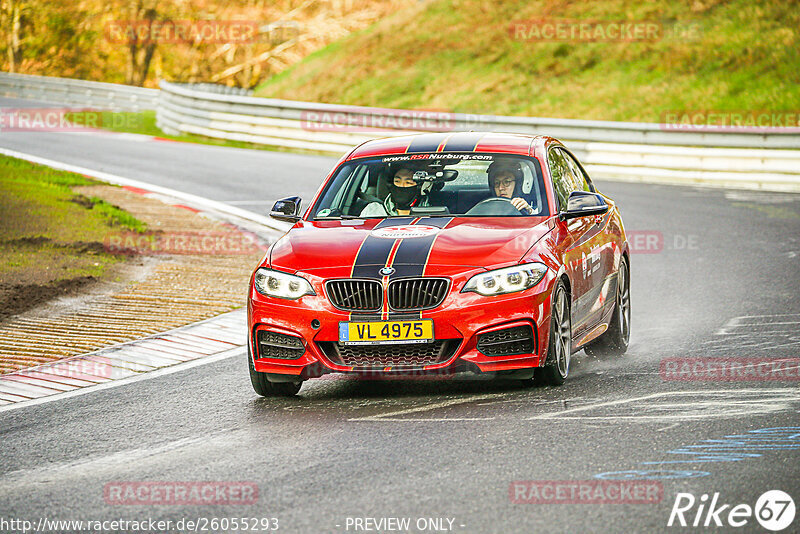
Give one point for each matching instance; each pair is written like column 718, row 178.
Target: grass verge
column 51, row 239
column 144, row 123
column 464, row 56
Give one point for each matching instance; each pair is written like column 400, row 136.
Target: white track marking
column 249, row 202
column 734, row 403
column 393, row 416
column 785, row 323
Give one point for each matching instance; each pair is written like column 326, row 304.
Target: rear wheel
column 265, row 388
column 559, row 350
column 614, row 341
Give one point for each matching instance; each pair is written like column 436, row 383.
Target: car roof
column 507, row 143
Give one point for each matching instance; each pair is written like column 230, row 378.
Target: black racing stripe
column 426, row 142
column 412, row 254
column 463, row 142
column 375, row 250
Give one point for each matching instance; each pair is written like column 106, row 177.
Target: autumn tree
column 113, row 40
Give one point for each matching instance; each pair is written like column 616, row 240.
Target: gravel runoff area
column 187, row 267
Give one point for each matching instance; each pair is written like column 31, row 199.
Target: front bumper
column 461, row 318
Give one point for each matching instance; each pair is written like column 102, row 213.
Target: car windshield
column 464, row 184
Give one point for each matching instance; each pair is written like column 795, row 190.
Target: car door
column 574, row 246
column 597, row 254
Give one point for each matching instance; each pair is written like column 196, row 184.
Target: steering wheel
column 499, row 206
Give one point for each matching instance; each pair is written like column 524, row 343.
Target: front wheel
column 265, row 388
column 614, row 341
column 559, row 350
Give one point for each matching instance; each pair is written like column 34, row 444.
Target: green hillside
column 463, row 56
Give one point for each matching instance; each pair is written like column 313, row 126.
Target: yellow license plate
column 370, row 333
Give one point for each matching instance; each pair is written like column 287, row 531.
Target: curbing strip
column 107, row 367
column 216, row 338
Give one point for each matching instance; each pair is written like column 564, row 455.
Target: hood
column 343, row 246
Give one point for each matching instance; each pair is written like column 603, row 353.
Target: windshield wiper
column 336, row 217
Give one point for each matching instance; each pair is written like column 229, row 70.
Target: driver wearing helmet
column 505, row 181
column 404, row 193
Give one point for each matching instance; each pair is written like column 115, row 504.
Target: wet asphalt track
column 725, row 282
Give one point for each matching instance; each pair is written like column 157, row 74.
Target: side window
column 579, row 177
column 365, row 182
column 562, row 177
column 347, row 194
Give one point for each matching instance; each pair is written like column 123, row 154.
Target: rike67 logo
column 774, row 510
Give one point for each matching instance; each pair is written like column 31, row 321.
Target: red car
column 442, row 253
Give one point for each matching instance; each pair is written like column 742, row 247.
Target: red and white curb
column 200, row 343
column 203, row 342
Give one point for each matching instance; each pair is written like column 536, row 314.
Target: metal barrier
column 610, row 150
column 77, row 93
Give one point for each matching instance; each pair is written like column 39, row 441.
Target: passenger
column 404, row 193
column 505, row 181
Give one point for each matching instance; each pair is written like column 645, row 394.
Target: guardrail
column 610, row 150
column 77, row 93
column 618, row 151
column 185, row 108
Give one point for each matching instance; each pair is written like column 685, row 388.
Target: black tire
column 265, row 388
column 614, row 341
column 559, row 347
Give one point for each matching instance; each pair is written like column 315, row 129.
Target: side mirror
column 287, row 209
column 583, row 204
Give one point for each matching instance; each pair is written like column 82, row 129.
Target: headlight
column 281, row 285
column 507, row 280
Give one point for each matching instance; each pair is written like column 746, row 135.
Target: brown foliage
column 109, row 40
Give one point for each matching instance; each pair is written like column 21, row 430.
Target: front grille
column 506, row 342
column 417, row 293
column 281, row 346
column 406, row 294
column 404, row 355
column 355, row 295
